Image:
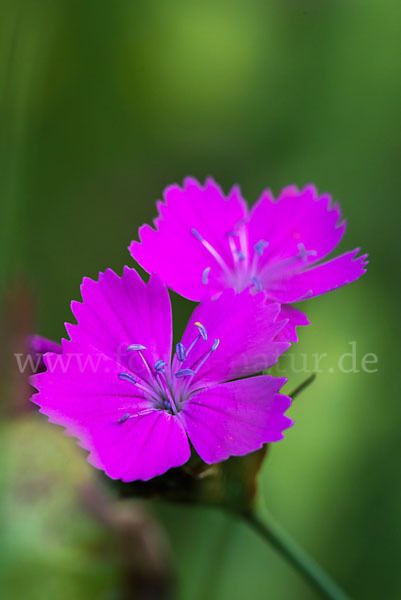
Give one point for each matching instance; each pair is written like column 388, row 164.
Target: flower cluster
column 135, row 401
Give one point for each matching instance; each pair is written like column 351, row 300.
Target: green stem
column 296, row 556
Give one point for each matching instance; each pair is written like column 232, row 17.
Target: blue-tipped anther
column 136, row 347
column 124, row 418
column 127, row 377
column 202, row 330
column 215, row 344
column 260, row 246
column 181, row 352
column 184, row 373
column 257, row 283
column 240, row 255
column 205, row 276
column 196, row 234
column 160, row 365
column 304, row 253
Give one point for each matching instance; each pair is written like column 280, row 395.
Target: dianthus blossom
column 204, row 242
column 136, row 406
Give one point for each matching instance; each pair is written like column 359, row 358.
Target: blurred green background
column 103, row 105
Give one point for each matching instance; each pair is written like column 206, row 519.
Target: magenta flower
column 37, row 347
column 116, row 389
column 205, row 242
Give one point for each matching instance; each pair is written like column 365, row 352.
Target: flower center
column 169, row 390
column 246, row 268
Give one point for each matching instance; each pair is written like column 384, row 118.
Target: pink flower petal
column 173, row 250
column 149, row 446
column 296, row 318
column 246, row 326
column 296, row 217
column 81, row 391
column 119, row 311
column 320, row 279
column 40, row 345
column 236, row 418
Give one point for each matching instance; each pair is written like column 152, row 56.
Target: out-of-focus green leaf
column 49, row 545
